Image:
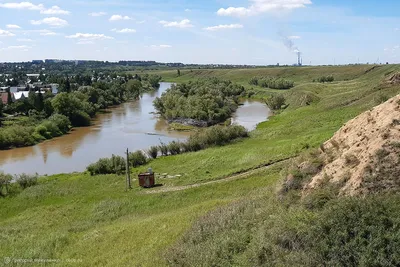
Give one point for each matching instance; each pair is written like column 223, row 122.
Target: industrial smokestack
column 288, row 41
column 299, row 58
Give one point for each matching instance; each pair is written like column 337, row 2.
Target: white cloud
column 22, row 5
column 263, row 6
column 4, row 33
column 47, row 33
column 54, row 10
column 178, row 24
column 13, row 26
column 224, row 27
column 119, row 17
column 294, row 37
column 97, row 14
column 85, row 42
column 53, row 21
column 88, row 36
column 126, row 30
column 160, row 46
column 187, row 10
column 17, row 47
column 25, row 40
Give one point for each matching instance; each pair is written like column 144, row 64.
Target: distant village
column 14, row 93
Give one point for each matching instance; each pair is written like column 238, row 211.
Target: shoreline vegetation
column 200, row 103
column 259, row 219
column 42, row 117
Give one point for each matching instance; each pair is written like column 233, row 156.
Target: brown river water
column 131, row 125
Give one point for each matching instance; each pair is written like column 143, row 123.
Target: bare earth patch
column 364, row 155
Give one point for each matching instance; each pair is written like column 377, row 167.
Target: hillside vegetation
column 235, row 222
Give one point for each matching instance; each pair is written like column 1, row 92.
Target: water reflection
column 131, row 125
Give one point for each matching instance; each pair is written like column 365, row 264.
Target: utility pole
column 128, row 174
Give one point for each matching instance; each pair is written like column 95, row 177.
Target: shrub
column 25, row 180
column 137, row 159
column 270, row 82
column 275, row 102
column 5, row 180
column 153, row 152
column 253, row 81
column 42, row 131
column 80, row 119
column 52, row 128
column 115, row 164
column 16, row 136
column 381, row 98
column 326, row 79
column 163, row 149
column 357, row 232
column 174, row 148
column 61, row 121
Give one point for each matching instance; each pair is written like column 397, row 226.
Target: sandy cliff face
column 364, row 155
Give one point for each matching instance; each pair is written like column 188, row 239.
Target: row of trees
column 271, row 82
column 209, row 100
column 51, row 116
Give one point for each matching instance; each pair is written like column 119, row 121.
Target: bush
column 216, row 135
column 61, row 121
column 16, row 136
column 153, row 152
column 80, row 119
column 345, row 232
column 273, row 83
column 25, row 180
column 254, row 81
column 113, row 165
column 276, row 102
column 174, row 148
column 326, row 79
column 381, row 98
column 5, row 180
column 137, row 159
column 163, row 149
column 357, row 232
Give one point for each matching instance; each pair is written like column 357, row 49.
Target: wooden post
column 128, row 174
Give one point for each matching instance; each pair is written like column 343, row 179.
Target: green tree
column 179, row 72
column 1, row 110
column 9, row 97
column 31, row 99
column 73, row 107
column 133, row 88
column 39, row 101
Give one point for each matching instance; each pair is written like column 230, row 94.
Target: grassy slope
column 93, row 219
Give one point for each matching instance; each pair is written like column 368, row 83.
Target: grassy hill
column 93, row 219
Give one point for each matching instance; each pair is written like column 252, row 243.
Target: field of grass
column 93, row 219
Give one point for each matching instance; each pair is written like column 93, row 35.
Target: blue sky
column 202, row 31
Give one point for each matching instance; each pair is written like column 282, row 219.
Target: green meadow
column 94, row 220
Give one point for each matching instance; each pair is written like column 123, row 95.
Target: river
column 131, row 125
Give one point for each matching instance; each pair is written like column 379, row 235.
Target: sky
column 254, row 32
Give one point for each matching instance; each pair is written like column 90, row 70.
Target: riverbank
column 100, row 212
column 132, row 125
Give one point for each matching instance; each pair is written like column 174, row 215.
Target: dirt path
column 227, row 179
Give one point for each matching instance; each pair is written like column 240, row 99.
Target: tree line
column 43, row 116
